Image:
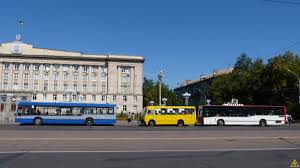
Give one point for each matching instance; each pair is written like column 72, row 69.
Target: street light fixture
column 186, row 96
column 164, row 101
column 298, row 83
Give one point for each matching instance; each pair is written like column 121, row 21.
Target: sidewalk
column 125, row 123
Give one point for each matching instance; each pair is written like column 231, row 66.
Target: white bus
column 242, row 115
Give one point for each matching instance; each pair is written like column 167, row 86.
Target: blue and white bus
column 39, row 113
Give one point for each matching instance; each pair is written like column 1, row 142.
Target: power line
column 286, row 48
column 283, row 2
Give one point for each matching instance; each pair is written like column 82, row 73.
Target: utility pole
column 161, row 75
column 297, row 84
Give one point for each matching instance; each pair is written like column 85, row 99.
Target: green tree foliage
column 253, row 82
column 150, row 91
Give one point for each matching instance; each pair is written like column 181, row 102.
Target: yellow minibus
column 169, row 115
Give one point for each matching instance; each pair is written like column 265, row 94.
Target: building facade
column 199, row 88
column 36, row 74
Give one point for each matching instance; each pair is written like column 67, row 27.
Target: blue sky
column 186, row 38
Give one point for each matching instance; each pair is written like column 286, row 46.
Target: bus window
column 76, row 111
column 189, row 111
column 175, row 111
column 163, row 111
column 64, row 111
column 158, row 111
column 150, row 112
column 110, row 111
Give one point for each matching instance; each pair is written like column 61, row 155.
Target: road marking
column 152, row 151
column 149, row 138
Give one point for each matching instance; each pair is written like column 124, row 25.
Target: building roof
column 204, row 77
column 22, row 49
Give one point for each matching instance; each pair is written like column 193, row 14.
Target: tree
column 243, row 62
column 150, row 91
column 259, row 83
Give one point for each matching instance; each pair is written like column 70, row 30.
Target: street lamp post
column 160, row 79
column 298, row 83
column 186, row 96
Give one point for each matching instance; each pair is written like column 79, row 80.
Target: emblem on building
column 16, row 49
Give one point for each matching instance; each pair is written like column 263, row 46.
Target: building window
column 55, row 77
column 16, row 66
column 5, row 86
column 125, row 78
column 5, row 66
column 94, row 69
column 94, row 97
column 44, row 96
column 35, row 86
column 54, row 97
column 125, row 70
column 66, row 77
column 103, row 77
column 36, row 67
column 16, row 85
column 124, row 108
column 85, row 68
column 34, row 96
column 64, row 97
column 74, row 97
column 114, row 98
column 103, row 88
column 55, row 86
column 85, row 77
column 36, row 76
column 103, row 69
column 66, row 68
column 26, row 66
column 65, row 87
column 84, row 97
column 26, row 76
column 56, row 67
column 5, row 76
column 46, row 76
column 25, row 86
column 103, row 97
column 135, row 108
column 94, row 88
column 75, row 77
column 94, row 78
column 84, row 87
column 135, row 98
column 75, row 68
column 46, row 67
column 16, row 76
column 124, row 98
column 75, row 87
column 45, row 87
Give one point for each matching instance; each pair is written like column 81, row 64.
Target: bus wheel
column 263, row 123
column 89, row 122
column 151, row 123
column 221, row 123
column 38, row 121
column 180, row 123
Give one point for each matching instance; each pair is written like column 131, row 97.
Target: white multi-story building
column 36, row 74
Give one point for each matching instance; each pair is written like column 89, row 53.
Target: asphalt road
column 77, row 146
